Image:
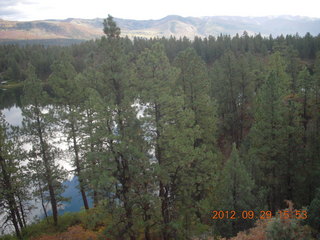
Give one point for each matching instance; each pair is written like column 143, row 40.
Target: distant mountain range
column 85, row 29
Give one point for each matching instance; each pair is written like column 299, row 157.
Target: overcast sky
column 150, row 9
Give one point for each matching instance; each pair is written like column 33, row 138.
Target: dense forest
column 171, row 138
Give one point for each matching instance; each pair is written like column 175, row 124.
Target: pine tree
column 305, row 88
column 10, row 177
column 295, row 149
column 235, row 193
column 68, row 96
column 170, row 129
column 119, row 132
column 269, row 133
column 110, row 28
column 225, row 88
column 313, row 128
column 194, row 82
column 92, row 136
column 313, row 211
column 38, row 127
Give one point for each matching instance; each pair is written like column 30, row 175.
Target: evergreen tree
column 235, row 193
column 226, row 78
column 38, row 127
column 88, row 142
column 313, row 212
column 194, row 81
column 170, row 129
column 10, row 176
column 110, row 28
column 269, row 133
column 68, row 96
column 91, row 135
column 120, row 128
column 313, row 137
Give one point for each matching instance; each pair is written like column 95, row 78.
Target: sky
column 148, row 9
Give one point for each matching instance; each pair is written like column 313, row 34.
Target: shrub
column 277, row 228
column 313, row 212
column 291, row 228
column 95, row 218
column 8, row 237
column 43, row 227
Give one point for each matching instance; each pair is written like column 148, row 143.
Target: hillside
column 171, row 25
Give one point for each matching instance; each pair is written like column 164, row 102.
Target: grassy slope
column 84, row 224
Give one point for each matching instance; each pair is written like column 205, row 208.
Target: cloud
column 13, row 3
column 144, row 9
column 14, row 9
column 8, row 12
column 8, row 3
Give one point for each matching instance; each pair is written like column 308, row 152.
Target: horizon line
column 170, row 15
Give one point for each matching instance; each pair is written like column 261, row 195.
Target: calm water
column 13, row 115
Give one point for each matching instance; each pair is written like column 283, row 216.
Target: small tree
column 13, row 183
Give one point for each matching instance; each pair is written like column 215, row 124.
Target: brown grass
column 73, row 233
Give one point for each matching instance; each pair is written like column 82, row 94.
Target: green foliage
column 8, row 237
column 235, row 192
column 44, row 226
column 269, row 132
column 232, row 85
column 14, row 182
column 279, row 229
column 38, row 128
column 313, row 212
column 110, row 28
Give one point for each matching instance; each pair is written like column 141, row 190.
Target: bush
column 284, row 229
column 256, row 233
column 47, row 227
column 277, row 229
column 95, row 218
column 8, row 237
column 280, row 229
column 313, row 212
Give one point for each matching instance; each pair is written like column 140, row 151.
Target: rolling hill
column 85, row 29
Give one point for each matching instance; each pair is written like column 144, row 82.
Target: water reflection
column 13, row 115
column 10, row 97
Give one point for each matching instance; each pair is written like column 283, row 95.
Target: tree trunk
column 92, row 149
column 163, row 193
column 22, row 212
column 10, row 197
column 16, row 209
column 42, row 201
column 48, row 172
column 15, row 223
column 78, row 167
